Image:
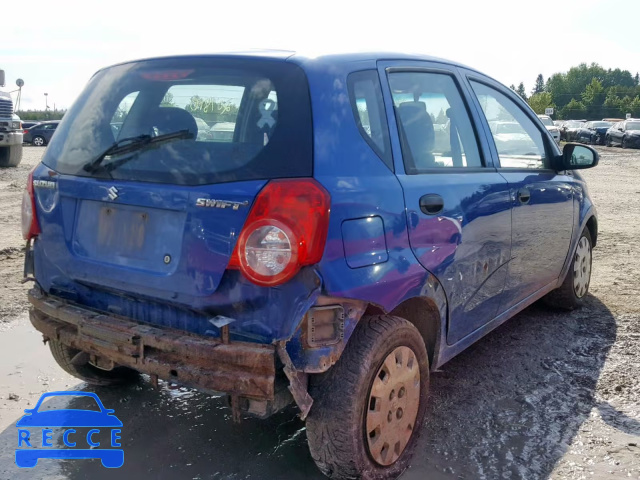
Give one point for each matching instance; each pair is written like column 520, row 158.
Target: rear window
column 243, row 119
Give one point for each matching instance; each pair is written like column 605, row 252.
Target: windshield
column 263, row 107
column 601, row 124
column 633, row 126
column 547, row 121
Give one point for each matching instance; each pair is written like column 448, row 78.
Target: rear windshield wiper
column 133, row 144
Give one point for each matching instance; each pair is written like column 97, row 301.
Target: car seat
column 172, row 119
column 419, row 135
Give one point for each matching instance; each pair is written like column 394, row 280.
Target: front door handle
column 431, row 204
column 524, row 195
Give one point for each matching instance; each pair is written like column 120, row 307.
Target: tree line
column 585, row 91
column 40, row 115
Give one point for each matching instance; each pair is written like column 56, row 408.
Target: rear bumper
column 8, row 139
column 238, row 368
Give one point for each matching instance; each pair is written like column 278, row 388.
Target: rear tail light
column 286, row 229
column 30, row 228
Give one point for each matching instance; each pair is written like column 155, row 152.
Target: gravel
column 548, row 395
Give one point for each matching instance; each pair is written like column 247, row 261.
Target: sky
column 58, row 50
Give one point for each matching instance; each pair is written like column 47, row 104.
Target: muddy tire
column 10, row 156
column 574, row 289
column 375, row 395
column 64, row 355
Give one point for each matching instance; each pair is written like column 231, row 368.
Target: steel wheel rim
column 38, row 141
column 582, row 268
column 392, row 406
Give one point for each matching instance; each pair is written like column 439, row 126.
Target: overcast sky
column 55, row 46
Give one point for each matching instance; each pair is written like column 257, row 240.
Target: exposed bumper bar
column 239, row 368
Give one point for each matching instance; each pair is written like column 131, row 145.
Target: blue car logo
column 29, row 451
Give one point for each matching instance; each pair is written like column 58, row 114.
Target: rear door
column 457, row 205
column 542, row 198
column 163, row 220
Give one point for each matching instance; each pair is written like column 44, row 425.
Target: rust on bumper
column 238, row 368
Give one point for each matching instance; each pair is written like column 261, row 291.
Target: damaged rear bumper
column 241, row 369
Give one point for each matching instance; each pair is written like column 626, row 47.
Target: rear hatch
column 137, row 198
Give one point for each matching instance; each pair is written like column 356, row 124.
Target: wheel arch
column 425, row 315
column 592, row 225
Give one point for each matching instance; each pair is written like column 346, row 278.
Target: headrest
column 418, row 130
column 173, row 119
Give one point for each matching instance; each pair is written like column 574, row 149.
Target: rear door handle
column 431, row 204
column 524, row 195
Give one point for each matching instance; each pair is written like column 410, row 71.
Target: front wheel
column 624, row 143
column 574, row 289
column 10, row 156
column 369, row 407
column 607, row 141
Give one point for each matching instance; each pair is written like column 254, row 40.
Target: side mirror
column 620, row 128
column 576, row 156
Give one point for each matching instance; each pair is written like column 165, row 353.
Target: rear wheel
column 10, row 156
column 574, row 289
column 368, row 408
column 87, row 372
column 38, row 141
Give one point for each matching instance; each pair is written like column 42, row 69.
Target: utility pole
column 46, row 106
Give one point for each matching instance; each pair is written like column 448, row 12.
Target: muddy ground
column 546, row 396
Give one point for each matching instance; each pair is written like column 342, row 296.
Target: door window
column 368, row 108
column 433, row 122
column 122, row 111
column 519, row 142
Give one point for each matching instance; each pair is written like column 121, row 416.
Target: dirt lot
column 547, row 395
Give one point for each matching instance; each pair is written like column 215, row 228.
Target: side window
column 368, row 108
column 121, row 113
column 519, row 142
column 433, row 122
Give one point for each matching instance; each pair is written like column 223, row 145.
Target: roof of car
column 319, row 58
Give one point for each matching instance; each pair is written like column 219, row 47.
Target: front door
column 542, row 199
column 458, row 207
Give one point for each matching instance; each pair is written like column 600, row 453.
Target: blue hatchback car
column 368, row 218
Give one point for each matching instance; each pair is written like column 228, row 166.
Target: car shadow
column 508, row 407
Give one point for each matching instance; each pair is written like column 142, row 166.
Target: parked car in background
column 625, row 133
column 593, row 132
column 222, row 132
column 553, row 130
column 40, row 134
column 264, row 260
column 569, row 129
column 28, row 125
